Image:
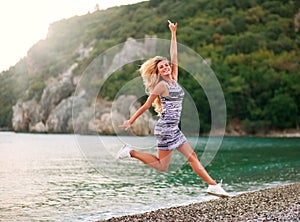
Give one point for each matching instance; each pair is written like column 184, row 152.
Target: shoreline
column 269, row 135
column 279, row 203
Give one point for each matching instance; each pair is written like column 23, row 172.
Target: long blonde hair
column 150, row 77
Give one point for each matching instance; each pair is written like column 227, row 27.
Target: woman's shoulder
column 161, row 84
column 160, row 88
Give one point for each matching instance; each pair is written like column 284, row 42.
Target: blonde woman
column 160, row 79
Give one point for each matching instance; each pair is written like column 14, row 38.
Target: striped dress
column 167, row 132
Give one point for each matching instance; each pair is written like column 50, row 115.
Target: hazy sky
column 25, row 22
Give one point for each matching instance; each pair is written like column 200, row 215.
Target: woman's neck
column 168, row 79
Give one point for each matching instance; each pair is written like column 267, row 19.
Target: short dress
column 167, row 132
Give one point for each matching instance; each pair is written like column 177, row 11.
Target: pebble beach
column 280, row 203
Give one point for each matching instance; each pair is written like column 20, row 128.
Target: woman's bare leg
column 160, row 163
column 191, row 156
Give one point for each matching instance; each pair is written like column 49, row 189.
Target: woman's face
column 163, row 68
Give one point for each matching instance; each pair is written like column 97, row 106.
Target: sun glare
column 23, row 23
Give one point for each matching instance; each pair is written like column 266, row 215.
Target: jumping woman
column 161, row 82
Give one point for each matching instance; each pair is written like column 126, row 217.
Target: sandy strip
column 281, row 203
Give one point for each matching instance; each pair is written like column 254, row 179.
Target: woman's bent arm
column 139, row 112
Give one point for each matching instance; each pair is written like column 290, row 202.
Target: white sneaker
column 217, row 190
column 124, row 152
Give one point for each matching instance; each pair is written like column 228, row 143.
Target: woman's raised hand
column 126, row 125
column 172, row 26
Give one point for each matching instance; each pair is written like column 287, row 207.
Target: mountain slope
column 253, row 47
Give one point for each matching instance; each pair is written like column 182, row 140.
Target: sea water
column 46, row 177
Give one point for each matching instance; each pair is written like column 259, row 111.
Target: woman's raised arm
column 173, row 50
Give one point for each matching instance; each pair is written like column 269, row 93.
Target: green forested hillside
column 253, row 46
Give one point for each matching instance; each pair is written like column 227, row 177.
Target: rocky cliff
column 64, row 107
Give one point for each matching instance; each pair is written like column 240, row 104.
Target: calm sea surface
column 76, row 178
